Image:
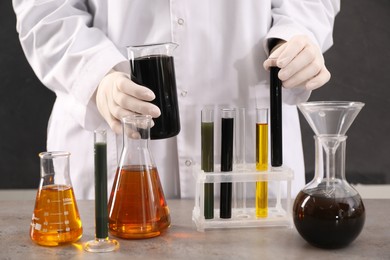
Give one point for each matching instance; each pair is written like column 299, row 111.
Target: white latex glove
column 117, row 96
column 301, row 63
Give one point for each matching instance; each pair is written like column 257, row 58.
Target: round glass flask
column 137, row 206
column 328, row 212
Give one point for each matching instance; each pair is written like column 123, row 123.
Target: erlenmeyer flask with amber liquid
column 55, row 220
column 328, row 212
column 137, row 206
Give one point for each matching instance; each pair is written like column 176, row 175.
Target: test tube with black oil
column 227, row 134
column 276, row 118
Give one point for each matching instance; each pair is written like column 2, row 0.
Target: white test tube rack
column 279, row 208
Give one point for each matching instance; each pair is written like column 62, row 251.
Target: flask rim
column 173, row 44
column 53, row 154
column 137, row 117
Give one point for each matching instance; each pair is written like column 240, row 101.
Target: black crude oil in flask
column 328, row 212
column 137, row 206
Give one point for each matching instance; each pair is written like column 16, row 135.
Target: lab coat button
column 188, row 163
column 183, row 93
column 180, row 21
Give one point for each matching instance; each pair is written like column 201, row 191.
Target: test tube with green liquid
column 207, row 147
column 101, row 243
column 261, row 161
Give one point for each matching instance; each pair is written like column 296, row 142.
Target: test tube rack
column 279, row 206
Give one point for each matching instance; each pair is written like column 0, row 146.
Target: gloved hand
column 301, row 63
column 117, row 96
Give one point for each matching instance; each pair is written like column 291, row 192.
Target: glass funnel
column 137, row 207
column 328, row 212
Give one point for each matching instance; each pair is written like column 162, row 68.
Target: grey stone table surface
column 183, row 241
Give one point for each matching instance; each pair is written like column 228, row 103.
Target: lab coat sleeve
column 66, row 52
column 314, row 18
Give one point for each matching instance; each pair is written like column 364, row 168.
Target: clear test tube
column 261, row 161
column 101, row 243
column 239, row 139
column 239, row 188
column 227, row 137
column 207, row 157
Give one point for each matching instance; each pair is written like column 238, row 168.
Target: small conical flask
column 328, row 212
column 56, row 218
column 137, row 206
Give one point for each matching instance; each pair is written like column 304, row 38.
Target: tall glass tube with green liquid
column 101, row 243
column 207, row 136
column 261, row 161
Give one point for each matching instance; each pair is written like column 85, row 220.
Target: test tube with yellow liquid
column 261, row 161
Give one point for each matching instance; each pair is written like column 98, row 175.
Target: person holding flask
column 225, row 47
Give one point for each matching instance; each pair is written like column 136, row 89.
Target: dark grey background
column 359, row 63
column 25, row 106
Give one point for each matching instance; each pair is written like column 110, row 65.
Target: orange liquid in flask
column 137, row 207
column 56, row 219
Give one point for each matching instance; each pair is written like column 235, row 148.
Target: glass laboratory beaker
column 56, row 218
column 153, row 66
column 328, row 212
column 137, row 206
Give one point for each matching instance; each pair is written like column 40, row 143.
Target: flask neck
column 55, row 168
column 136, row 136
column 136, row 143
column 330, row 157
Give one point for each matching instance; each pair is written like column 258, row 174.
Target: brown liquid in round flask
column 328, row 222
column 328, row 212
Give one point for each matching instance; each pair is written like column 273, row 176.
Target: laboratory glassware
column 328, row 212
column 276, row 118
column 137, row 207
column 261, row 161
column 101, row 243
column 56, row 218
column 239, row 161
column 207, row 158
column 227, row 140
column 153, row 67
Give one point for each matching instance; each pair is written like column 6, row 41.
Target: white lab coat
column 72, row 44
